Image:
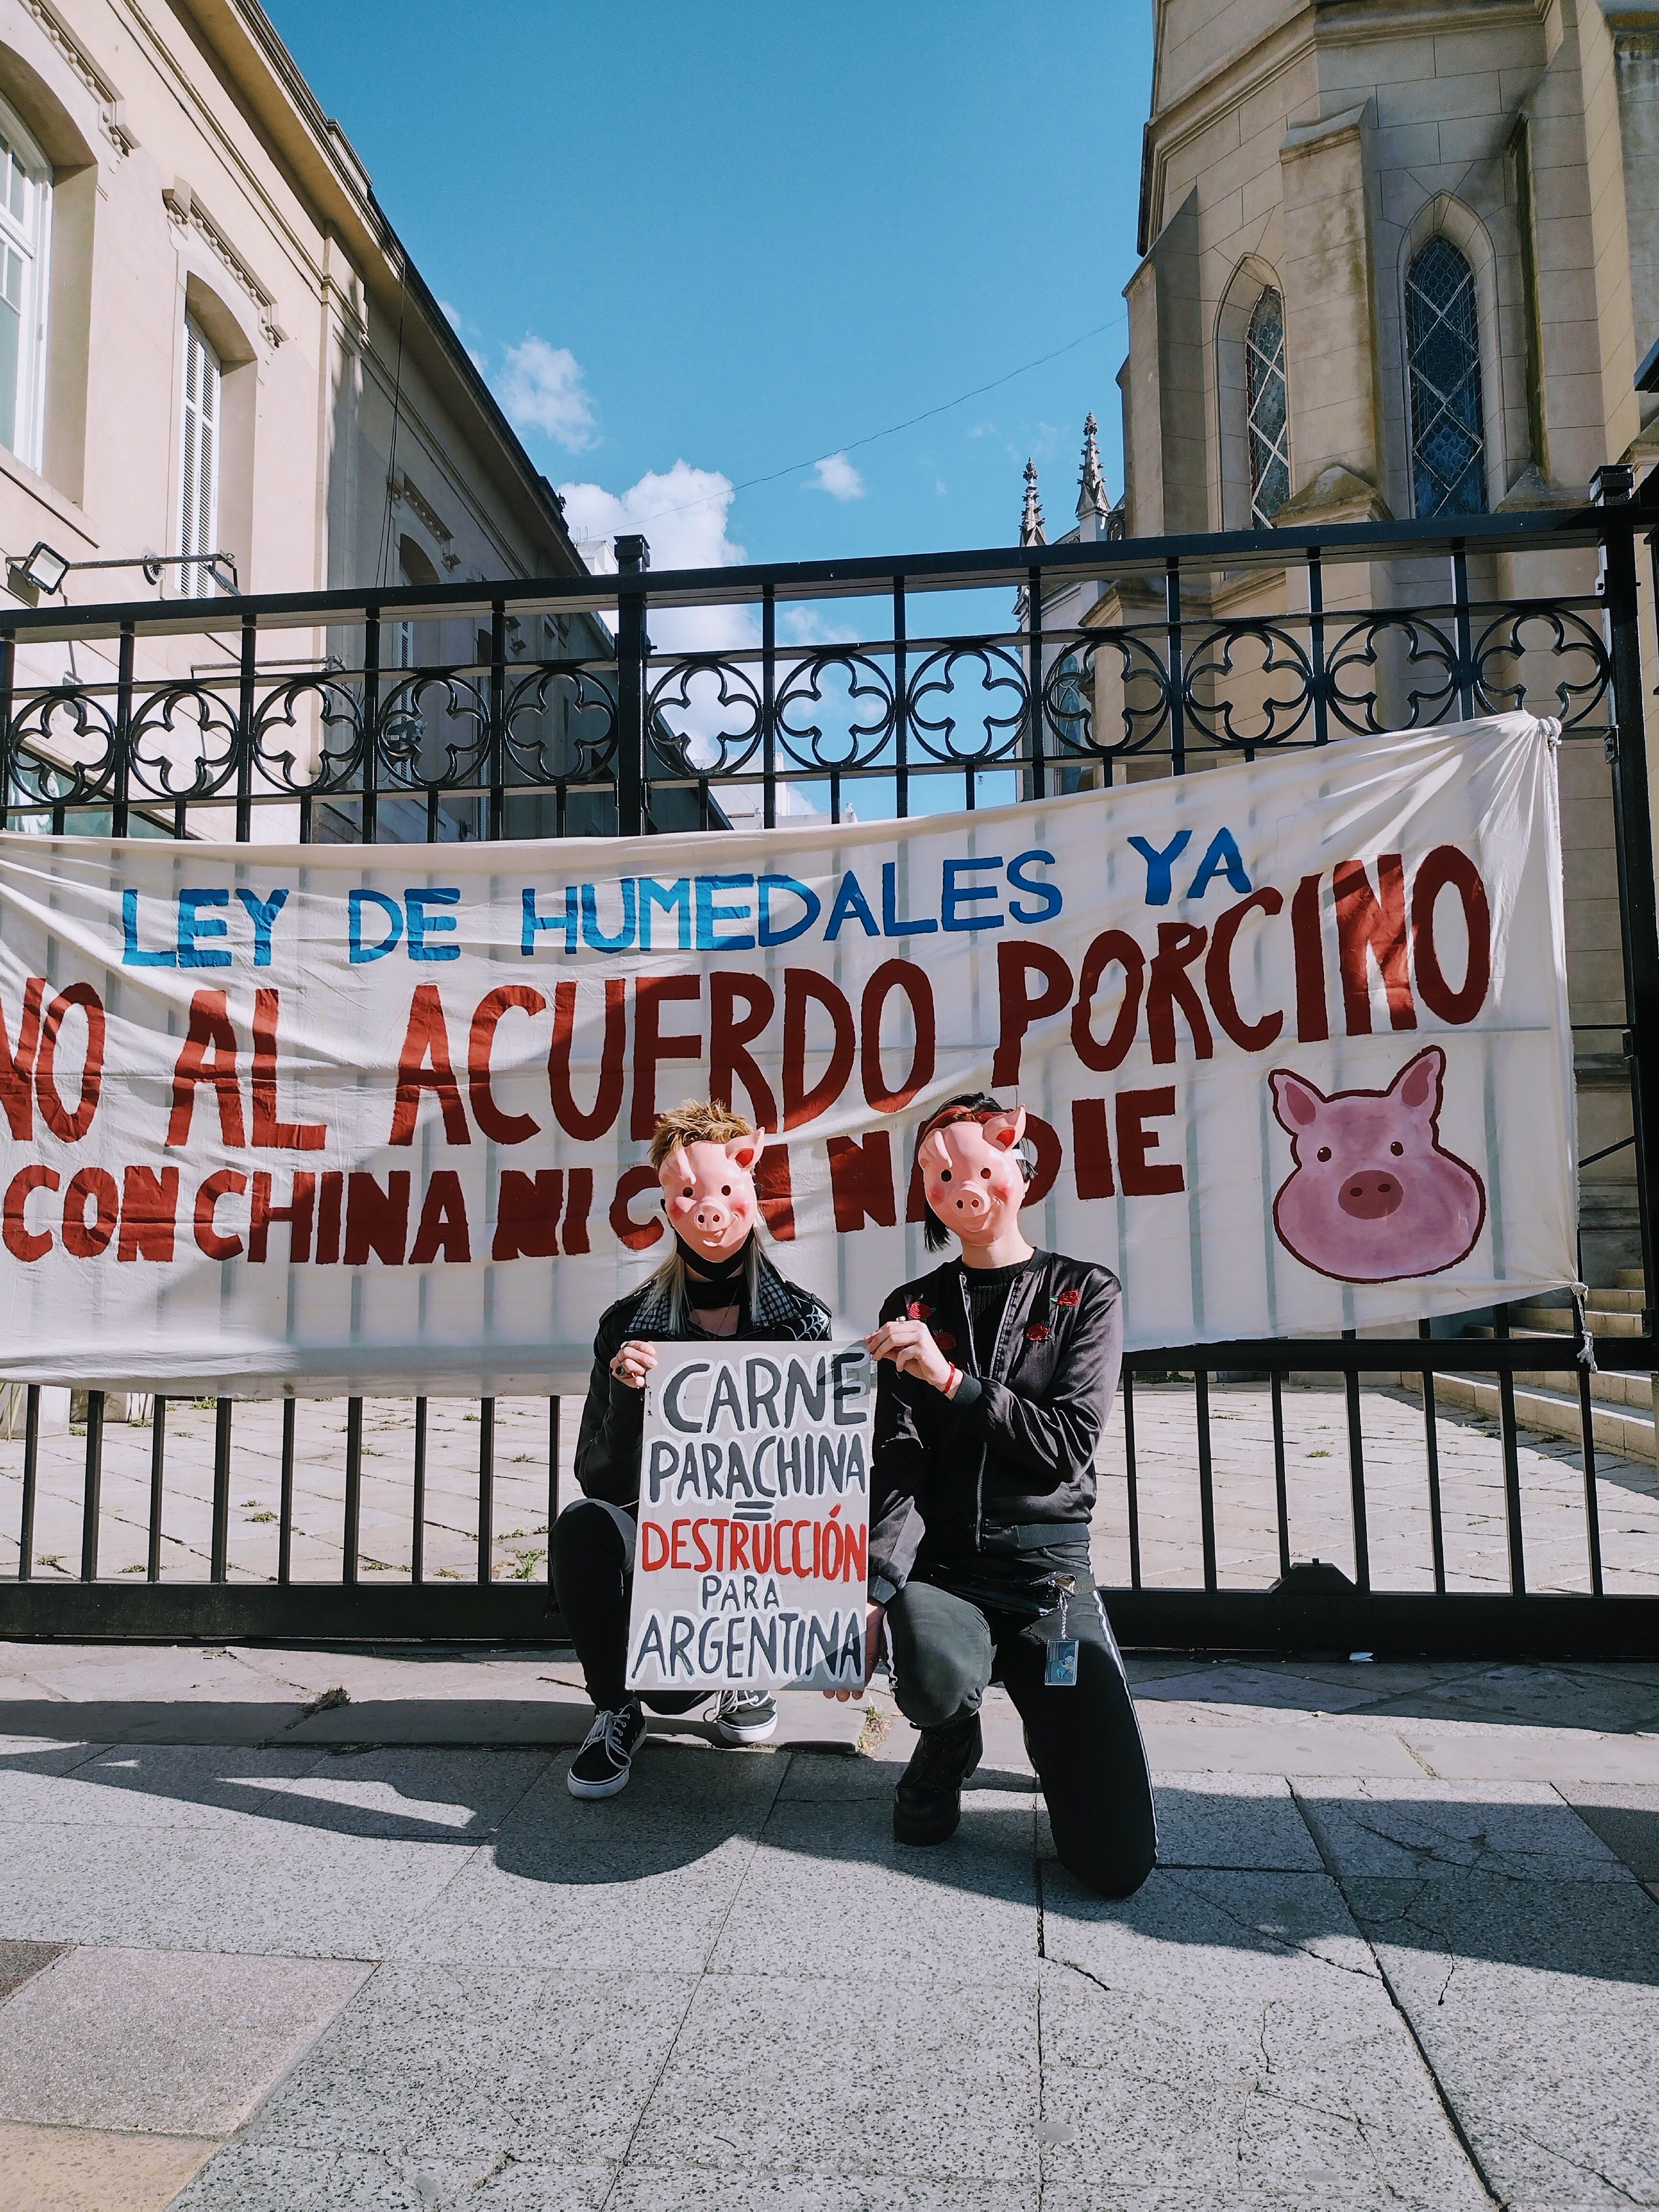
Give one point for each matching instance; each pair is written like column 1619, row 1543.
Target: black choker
column 716, row 1283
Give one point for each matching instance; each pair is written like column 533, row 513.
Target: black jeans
column 948, row 1645
column 591, row 1562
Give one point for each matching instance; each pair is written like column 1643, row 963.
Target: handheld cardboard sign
column 753, row 1558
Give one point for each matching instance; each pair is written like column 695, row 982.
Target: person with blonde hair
column 716, row 1282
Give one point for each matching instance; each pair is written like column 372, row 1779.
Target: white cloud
column 453, row 314
column 836, row 476
column 682, row 513
column 541, row 388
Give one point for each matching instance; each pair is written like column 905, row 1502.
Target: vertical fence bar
column 486, row 1485
column 1592, row 1503
column 901, row 704
column 497, row 816
column 1510, row 1445
column 1176, row 671
column 1431, row 1452
column 250, row 661
column 31, row 1482
column 1626, row 745
column 219, row 1568
column 1134, row 1484
column 285, row 1499
column 370, row 826
column 553, row 1441
column 1362, row 1541
column 158, row 1462
column 353, row 1488
column 1316, row 646
column 1034, row 635
column 8, row 690
column 1281, row 1499
column 119, row 803
column 769, row 729
column 1462, row 631
column 417, row 1531
column 1205, row 1475
column 633, row 560
column 92, row 1496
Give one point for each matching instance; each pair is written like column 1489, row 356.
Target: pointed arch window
column 1443, row 352
column 1267, row 400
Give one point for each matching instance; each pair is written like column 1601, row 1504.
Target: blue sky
column 694, row 244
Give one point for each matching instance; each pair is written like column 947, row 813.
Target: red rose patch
column 1068, row 1297
column 1037, row 1332
column 945, row 1340
column 917, row 1311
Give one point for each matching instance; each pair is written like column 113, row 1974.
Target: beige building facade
column 211, row 341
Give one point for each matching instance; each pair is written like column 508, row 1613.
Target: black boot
column 927, row 1804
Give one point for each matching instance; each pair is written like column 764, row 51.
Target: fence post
column 633, row 559
column 1611, row 488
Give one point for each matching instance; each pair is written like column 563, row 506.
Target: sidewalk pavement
column 295, row 1928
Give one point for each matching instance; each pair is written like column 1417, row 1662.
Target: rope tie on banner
column 1586, row 1342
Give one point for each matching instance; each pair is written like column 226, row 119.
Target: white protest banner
column 754, row 1520
column 1292, row 1037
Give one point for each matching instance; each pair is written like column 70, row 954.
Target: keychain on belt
column 1061, row 1672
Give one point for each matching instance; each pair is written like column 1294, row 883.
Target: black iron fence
column 636, row 702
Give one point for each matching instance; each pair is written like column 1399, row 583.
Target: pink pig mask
column 708, row 1193
column 972, row 1177
column 1374, row 1196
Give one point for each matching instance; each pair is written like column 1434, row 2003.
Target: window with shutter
column 198, row 526
column 25, row 236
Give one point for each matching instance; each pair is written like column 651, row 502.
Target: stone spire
column 1092, row 504
column 1031, row 529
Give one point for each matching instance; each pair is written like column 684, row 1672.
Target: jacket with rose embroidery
column 985, row 1473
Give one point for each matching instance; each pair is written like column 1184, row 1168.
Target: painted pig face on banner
column 708, row 1193
column 1374, row 1195
column 972, row 1176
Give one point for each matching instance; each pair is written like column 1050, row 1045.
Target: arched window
column 25, row 236
column 1268, row 410
column 1443, row 352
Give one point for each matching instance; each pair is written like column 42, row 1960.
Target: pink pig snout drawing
column 1373, row 1195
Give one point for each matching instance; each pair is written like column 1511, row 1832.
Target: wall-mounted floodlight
column 42, row 570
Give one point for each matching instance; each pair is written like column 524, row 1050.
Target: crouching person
column 998, row 1372
column 716, row 1282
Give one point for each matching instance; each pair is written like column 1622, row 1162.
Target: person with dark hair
column 997, row 1374
column 716, row 1282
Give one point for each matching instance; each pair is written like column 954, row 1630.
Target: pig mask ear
column 1006, row 1130
column 1296, row 1101
column 1419, row 1084
column 744, row 1151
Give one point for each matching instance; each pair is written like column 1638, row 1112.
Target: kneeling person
column 716, row 1283
column 999, row 1372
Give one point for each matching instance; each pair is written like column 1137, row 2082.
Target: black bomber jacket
column 613, row 1419
column 1013, row 1450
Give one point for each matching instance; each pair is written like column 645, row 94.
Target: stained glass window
column 1269, row 414
column 1442, row 348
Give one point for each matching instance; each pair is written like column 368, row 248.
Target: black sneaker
column 745, row 1717
column 927, row 1804
column 601, row 1767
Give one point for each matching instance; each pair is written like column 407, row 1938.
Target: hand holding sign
column 633, row 1363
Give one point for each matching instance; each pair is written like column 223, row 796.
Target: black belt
column 1042, row 1535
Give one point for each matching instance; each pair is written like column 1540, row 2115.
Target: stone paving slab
column 1625, row 1816
column 19, row 1962
column 953, row 2097
column 1229, row 2037
column 1432, row 1832
column 281, row 1888
column 89, row 2170
column 540, row 2061
column 572, row 1880
column 1530, row 2008
column 1251, row 1821
column 177, row 2043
